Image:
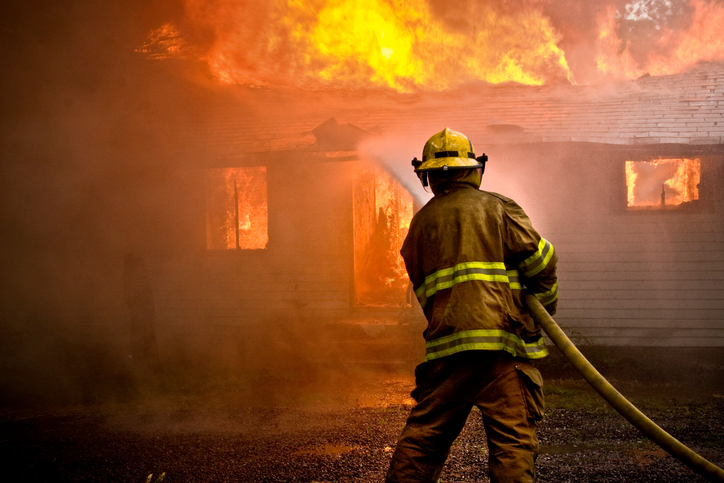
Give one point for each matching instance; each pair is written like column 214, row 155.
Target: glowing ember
column 237, row 213
column 163, row 43
column 382, row 215
column 662, row 183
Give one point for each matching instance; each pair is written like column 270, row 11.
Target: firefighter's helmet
column 447, row 150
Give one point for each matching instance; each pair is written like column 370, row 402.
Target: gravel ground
column 315, row 435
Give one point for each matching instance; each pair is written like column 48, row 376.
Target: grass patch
column 572, row 394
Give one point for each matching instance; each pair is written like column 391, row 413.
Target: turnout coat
column 470, row 254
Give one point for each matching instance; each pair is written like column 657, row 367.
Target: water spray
column 388, row 153
column 673, row 446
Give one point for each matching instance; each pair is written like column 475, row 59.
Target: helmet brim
column 444, row 164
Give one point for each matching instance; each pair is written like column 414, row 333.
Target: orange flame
column 631, row 176
column 382, row 215
column 676, row 51
column 662, row 182
column 163, row 43
column 702, row 41
column 237, row 211
column 409, row 45
column 400, row 44
column 613, row 56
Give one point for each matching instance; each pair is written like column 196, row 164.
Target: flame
column 675, row 50
column 410, row 45
column 382, row 216
column 163, row 43
column 613, row 56
column 237, row 211
column 631, row 176
column 702, row 41
column 662, row 182
column 398, row 44
column 685, row 182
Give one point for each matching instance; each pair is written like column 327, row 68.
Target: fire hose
column 673, row 446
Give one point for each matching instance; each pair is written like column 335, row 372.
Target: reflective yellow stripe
column 548, row 297
column 465, row 272
column 485, row 339
column 514, row 280
column 539, row 260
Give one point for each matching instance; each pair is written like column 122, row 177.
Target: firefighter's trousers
column 509, row 394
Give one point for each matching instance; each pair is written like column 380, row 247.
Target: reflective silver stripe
column 485, row 339
column 464, row 272
column 548, row 297
column 539, row 260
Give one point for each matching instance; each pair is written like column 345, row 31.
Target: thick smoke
column 98, row 203
column 81, row 185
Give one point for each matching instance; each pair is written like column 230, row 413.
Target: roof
column 685, row 109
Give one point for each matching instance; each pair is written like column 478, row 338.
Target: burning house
column 303, row 212
column 296, row 202
column 255, row 157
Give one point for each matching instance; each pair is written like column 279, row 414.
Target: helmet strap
column 482, row 160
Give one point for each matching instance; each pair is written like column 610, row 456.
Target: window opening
column 382, row 214
column 662, row 183
column 236, row 208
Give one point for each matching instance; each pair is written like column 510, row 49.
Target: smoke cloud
column 98, row 202
column 82, row 157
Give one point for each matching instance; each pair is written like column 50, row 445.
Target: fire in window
column 236, row 208
column 382, row 214
column 662, row 183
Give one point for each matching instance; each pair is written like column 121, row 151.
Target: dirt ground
column 342, row 425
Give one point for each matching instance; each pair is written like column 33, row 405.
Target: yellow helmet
column 446, row 150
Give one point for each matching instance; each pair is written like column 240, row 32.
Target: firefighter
column 469, row 255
